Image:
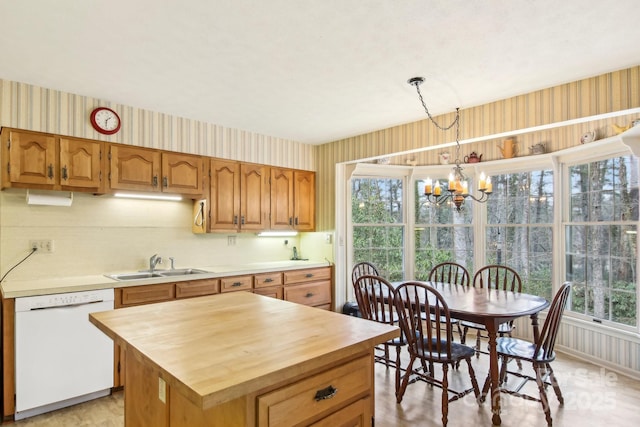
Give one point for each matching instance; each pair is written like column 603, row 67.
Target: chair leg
column 398, row 370
column 543, row 394
column 405, row 379
column 463, row 335
column 478, row 334
column 386, row 355
column 474, row 381
column 554, row 384
column 445, row 394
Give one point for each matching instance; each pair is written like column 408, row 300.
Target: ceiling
column 312, row 71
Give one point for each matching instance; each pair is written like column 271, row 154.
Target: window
column 441, row 234
column 519, row 229
column 377, row 219
column 601, row 238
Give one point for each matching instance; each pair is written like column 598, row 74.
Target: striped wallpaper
column 607, row 93
column 29, row 107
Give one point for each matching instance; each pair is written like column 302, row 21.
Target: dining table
column 490, row 307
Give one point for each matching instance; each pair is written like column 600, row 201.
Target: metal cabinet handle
column 154, row 182
column 326, row 393
column 268, row 280
column 65, row 174
column 309, row 275
column 236, row 284
column 50, row 171
column 235, row 220
column 165, row 182
column 308, row 295
column 290, row 220
column 242, row 220
column 296, row 220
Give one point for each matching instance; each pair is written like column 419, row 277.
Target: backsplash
column 103, row 234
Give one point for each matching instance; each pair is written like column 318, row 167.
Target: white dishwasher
column 61, row 358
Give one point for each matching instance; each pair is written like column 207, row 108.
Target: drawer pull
column 308, row 295
column 326, row 393
column 309, row 275
column 268, row 280
column 236, row 284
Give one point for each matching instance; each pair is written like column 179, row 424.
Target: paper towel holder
column 50, row 198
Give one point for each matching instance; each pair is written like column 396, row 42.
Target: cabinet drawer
column 195, row 288
column 236, row 283
column 358, row 414
column 309, row 294
column 267, row 279
column 296, row 403
column 148, row 294
column 307, row 275
column 273, row 292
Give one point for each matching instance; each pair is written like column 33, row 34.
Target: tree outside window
column 601, row 239
column 519, row 229
column 378, row 228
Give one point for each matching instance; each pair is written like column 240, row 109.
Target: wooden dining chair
column 498, row 277
column 363, row 268
column 430, row 341
column 452, row 273
column 375, row 297
column 540, row 353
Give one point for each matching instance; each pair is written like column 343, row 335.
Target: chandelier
column 457, row 188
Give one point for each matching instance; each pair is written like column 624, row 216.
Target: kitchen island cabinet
column 241, row 359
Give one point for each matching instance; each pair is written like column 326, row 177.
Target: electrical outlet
column 231, row 240
column 162, row 390
column 42, row 246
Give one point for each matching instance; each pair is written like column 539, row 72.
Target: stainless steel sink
column 133, row 276
column 158, row 273
column 181, row 272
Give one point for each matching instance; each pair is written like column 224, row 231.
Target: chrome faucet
column 153, row 261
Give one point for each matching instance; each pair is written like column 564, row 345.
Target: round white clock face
column 105, row 120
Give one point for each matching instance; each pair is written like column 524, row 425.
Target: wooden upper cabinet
column 80, row 163
column 225, row 195
column 239, row 196
column 304, row 198
column 44, row 161
column 134, row 168
column 292, row 200
column 281, row 199
column 254, row 197
column 182, row 173
column 149, row 170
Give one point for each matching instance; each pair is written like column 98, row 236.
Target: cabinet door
column 133, row 168
column 281, row 199
column 182, row 174
column 225, row 195
column 80, row 163
column 304, row 200
column 32, row 158
column 254, row 197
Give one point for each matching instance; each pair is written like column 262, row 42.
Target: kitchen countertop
column 56, row 285
column 215, row 349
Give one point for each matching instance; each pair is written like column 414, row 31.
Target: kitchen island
column 242, row 359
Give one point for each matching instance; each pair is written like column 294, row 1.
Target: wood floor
column 593, row 397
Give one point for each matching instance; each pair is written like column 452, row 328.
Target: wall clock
column 105, row 120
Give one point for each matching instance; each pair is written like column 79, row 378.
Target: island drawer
column 307, row 275
column 236, row 283
column 196, row 288
column 267, row 279
column 309, row 294
column 317, row 396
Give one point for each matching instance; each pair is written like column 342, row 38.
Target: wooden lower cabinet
column 341, row 394
column 311, row 286
column 316, row 397
column 197, row 288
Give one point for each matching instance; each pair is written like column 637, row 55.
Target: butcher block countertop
column 217, row 348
